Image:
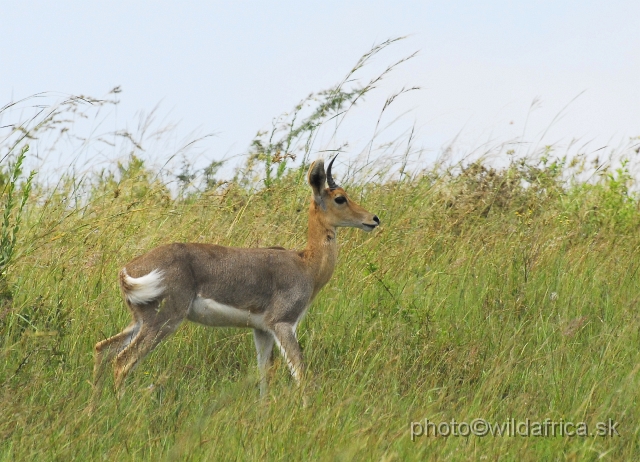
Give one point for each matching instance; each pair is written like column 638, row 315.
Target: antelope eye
column 340, row 200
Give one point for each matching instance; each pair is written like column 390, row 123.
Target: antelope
column 266, row 289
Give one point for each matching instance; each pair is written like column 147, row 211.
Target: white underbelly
column 211, row 313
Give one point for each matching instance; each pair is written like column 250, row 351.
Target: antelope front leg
column 290, row 349
column 264, row 347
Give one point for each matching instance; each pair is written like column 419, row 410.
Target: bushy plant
column 12, row 208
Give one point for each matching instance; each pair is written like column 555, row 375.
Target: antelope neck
column 321, row 253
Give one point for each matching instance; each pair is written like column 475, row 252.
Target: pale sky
column 231, row 68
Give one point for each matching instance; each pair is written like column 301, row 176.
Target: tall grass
column 12, row 216
column 487, row 292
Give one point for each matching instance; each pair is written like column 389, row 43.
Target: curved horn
column 332, row 184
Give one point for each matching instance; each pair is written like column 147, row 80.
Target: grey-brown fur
column 212, row 284
column 247, row 279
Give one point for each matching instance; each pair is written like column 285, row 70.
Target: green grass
column 476, row 298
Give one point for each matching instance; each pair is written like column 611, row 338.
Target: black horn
column 332, row 184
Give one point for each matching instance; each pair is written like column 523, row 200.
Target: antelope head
column 332, row 203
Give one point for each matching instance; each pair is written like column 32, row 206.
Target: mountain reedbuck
column 268, row 290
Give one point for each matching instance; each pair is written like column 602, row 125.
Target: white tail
column 268, row 290
column 142, row 290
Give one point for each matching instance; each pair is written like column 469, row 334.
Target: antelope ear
column 317, row 179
